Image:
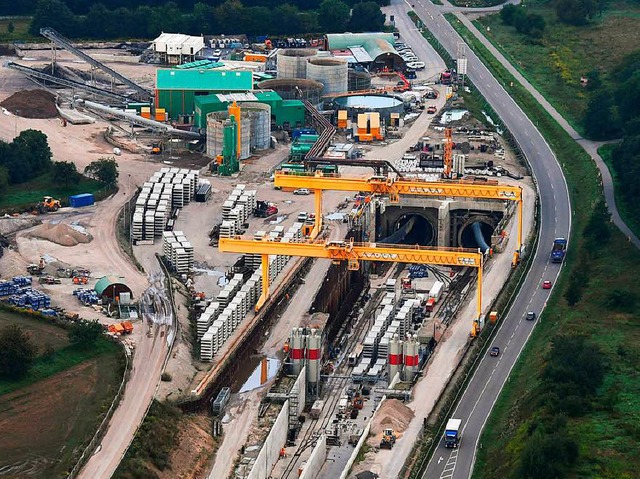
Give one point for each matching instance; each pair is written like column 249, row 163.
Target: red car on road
column 546, row 284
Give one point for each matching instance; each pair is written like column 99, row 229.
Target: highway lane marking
column 450, row 466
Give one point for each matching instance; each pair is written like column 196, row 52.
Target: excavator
column 388, row 439
column 156, row 148
column 48, row 204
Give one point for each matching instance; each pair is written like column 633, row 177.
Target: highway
column 555, row 220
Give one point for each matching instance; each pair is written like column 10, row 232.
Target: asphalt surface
column 555, row 221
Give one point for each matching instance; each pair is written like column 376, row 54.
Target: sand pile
column 393, row 414
column 60, row 234
column 32, row 104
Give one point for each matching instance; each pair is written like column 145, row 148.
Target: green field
column 25, row 195
column 607, row 435
column 48, row 417
column 555, row 65
column 20, row 32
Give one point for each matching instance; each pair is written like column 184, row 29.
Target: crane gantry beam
column 396, row 187
column 353, row 253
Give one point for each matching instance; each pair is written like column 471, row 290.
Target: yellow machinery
column 353, row 253
column 388, row 439
column 395, row 187
column 48, row 204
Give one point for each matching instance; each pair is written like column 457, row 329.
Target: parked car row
column 410, row 58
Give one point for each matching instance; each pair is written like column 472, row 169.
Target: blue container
column 78, row 201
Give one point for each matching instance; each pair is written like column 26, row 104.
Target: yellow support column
column 318, row 220
column 265, row 282
column 518, row 252
column 476, row 324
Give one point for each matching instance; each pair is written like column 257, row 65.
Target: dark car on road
column 530, row 316
column 494, row 351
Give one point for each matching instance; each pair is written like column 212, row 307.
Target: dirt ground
column 190, row 460
column 41, row 333
column 43, row 424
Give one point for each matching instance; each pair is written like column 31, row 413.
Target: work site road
column 480, row 395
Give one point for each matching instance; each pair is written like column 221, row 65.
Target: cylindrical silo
column 259, row 115
column 331, row 72
column 297, row 350
column 215, row 134
column 292, row 63
column 314, row 353
column 411, row 359
column 395, row 356
column 359, row 81
column 295, row 89
column 245, row 137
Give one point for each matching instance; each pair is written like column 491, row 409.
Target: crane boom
column 396, row 187
column 353, row 253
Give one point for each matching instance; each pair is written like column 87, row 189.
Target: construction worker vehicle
column 48, row 204
column 48, row 279
column 156, row 149
column 124, row 327
column 388, row 439
column 36, row 269
column 265, row 209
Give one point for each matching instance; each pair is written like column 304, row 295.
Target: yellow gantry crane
column 353, row 253
column 396, row 187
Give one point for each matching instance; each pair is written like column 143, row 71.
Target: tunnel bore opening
column 469, row 235
column 411, row 229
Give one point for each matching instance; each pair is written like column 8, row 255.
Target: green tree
column 621, row 300
column 85, row 333
column 4, row 180
column 366, row 17
column 229, row 16
column 575, row 12
column 104, row 170
column 333, row 16
column 600, row 119
column 17, row 352
column 66, row 173
column 54, row 14
column 286, row 19
column 597, row 231
column 11, row 27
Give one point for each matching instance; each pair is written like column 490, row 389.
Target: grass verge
column 152, row 446
column 607, row 446
column 625, row 208
column 25, row 195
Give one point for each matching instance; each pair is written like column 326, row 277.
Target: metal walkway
column 65, row 43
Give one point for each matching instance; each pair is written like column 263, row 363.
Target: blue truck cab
column 452, row 433
column 559, row 249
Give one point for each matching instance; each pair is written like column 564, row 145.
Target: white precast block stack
column 228, row 229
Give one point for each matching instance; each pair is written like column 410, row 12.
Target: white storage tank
column 259, row 115
column 331, row 72
column 292, row 63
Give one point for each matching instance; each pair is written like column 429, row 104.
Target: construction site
column 305, row 240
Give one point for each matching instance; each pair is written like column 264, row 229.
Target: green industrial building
column 176, row 90
column 287, row 114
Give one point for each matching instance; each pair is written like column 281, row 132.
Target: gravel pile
column 32, row 104
column 393, row 414
column 59, row 233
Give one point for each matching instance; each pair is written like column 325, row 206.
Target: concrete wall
column 270, row 451
column 300, row 388
column 314, row 464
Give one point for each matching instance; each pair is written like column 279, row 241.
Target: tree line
column 29, row 156
column 613, row 112
column 254, row 17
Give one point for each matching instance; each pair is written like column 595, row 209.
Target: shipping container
column 78, row 201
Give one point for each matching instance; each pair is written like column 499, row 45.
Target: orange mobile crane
column 353, row 253
column 396, row 187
